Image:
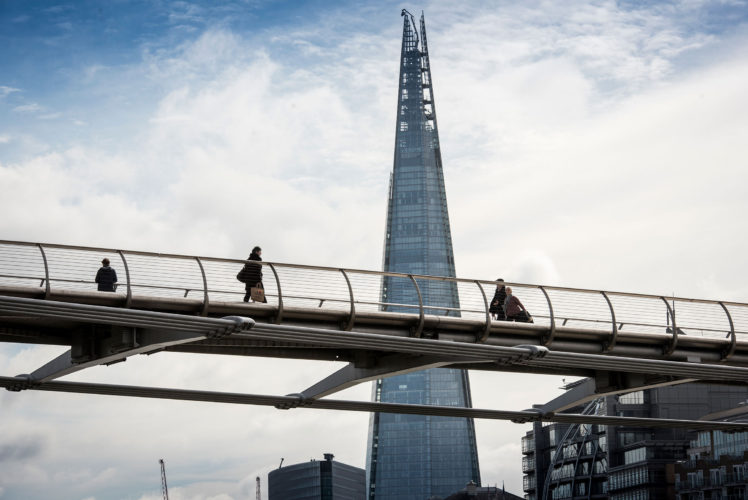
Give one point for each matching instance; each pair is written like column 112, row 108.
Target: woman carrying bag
column 251, row 276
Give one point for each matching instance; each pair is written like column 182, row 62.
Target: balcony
column 528, row 483
column 528, row 445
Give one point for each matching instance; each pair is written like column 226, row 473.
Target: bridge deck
column 577, row 338
column 622, row 341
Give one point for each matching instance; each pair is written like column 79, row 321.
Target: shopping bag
column 257, row 293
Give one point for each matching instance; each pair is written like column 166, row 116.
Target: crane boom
column 164, row 488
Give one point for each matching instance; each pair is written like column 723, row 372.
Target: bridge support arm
column 106, row 335
column 386, row 366
column 607, row 383
column 108, row 344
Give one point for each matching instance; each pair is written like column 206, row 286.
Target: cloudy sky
column 592, row 144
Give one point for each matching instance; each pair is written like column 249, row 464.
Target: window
column 629, row 477
column 630, row 437
column 562, row 491
column 635, row 455
column 632, row 398
column 553, row 436
column 583, row 469
column 581, row 489
column 601, row 466
column 570, row 451
column 640, row 494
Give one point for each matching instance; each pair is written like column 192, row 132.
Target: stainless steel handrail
column 374, row 273
column 300, row 282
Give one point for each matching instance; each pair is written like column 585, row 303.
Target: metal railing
column 52, row 268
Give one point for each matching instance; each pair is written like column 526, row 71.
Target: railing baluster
column 669, row 350
column 206, row 300
column 128, row 300
column 487, row 330
column 548, row 339
column 727, row 354
column 421, row 317
column 47, row 289
column 610, row 344
column 352, row 318
column 279, row 316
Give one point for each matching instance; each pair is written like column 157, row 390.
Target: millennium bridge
column 166, row 302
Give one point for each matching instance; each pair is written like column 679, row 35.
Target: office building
column 416, row 456
column 317, row 480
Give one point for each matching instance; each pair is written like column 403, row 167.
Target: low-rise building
column 474, row 492
column 317, row 480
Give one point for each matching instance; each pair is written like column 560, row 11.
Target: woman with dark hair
column 251, row 275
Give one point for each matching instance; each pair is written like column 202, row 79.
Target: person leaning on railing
column 497, row 302
column 514, row 309
column 106, row 277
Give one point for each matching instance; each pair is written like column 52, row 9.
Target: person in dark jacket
column 253, row 273
column 106, row 277
column 513, row 308
column 497, row 302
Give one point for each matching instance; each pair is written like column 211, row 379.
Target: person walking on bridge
column 251, row 275
column 514, row 309
column 106, row 277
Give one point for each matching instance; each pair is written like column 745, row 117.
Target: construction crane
column 259, row 495
column 164, row 489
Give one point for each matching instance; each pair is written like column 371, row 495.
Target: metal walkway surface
column 622, row 341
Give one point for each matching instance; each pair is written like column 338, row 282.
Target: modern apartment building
column 717, row 464
column 621, row 463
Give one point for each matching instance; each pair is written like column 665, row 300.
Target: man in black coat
column 252, row 273
column 497, row 302
column 106, row 277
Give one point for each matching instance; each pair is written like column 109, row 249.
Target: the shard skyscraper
column 415, row 456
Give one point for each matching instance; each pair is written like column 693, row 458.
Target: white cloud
column 5, row 91
column 28, row 108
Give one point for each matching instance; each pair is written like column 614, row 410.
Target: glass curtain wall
column 415, row 456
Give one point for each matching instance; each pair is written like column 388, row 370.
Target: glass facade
column 296, row 482
column 416, row 456
column 631, row 463
column 725, row 443
column 317, row 480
